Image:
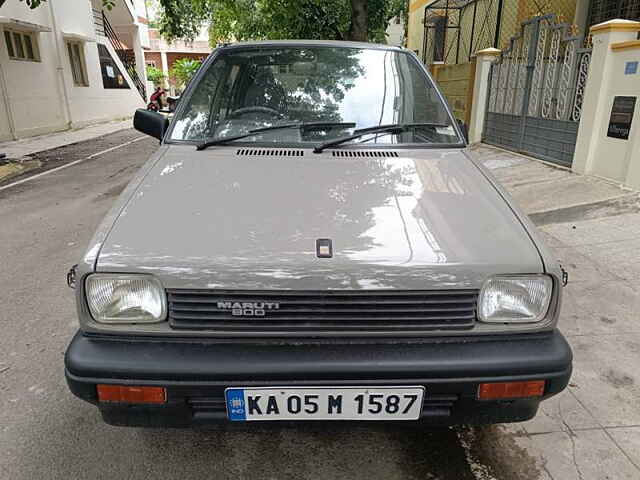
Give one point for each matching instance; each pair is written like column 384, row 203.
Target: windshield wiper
column 251, row 133
column 392, row 128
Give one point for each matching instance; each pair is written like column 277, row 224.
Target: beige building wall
column 415, row 27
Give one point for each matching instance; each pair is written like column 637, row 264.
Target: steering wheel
column 257, row 109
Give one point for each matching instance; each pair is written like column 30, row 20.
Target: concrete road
column 47, row 433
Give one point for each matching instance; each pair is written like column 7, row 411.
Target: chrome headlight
column 515, row 299
column 114, row 298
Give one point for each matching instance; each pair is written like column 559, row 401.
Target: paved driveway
column 586, row 433
column 592, row 429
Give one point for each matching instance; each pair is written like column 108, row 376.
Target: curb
column 10, row 145
column 12, row 168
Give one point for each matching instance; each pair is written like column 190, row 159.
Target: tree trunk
column 359, row 21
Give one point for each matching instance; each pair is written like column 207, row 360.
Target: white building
column 68, row 64
column 395, row 32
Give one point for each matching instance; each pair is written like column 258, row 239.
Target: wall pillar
column 6, row 109
column 595, row 153
column 141, row 67
column 165, row 68
column 580, row 16
column 484, row 59
column 60, row 54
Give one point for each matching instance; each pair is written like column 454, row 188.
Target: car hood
column 232, row 218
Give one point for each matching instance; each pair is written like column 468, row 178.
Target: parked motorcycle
column 172, row 103
column 155, row 101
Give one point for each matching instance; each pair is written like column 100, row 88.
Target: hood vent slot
column 252, row 152
column 365, row 153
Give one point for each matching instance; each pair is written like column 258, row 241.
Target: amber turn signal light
column 507, row 390
column 127, row 394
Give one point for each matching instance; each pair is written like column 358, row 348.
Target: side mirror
column 151, row 123
column 463, row 129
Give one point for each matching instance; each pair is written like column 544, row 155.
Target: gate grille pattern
column 536, row 90
column 455, row 29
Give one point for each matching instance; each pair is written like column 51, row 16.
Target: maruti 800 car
column 313, row 241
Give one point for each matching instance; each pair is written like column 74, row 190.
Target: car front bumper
column 196, row 373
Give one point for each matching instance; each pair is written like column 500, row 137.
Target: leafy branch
column 228, row 20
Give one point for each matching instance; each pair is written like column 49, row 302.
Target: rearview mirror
column 463, row 129
column 151, row 123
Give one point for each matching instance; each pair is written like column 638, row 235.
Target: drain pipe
column 498, row 25
column 7, row 104
column 62, row 86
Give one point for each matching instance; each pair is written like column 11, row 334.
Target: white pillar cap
column 488, row 52
column 615, row 25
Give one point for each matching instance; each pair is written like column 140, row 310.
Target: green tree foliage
column 183, row 71
column 155, row 75
column 364, row 20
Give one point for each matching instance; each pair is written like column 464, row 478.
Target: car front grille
column 333, row 313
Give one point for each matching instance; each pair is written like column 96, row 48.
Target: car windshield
column 345, row 89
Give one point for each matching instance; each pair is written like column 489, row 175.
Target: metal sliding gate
column 536, row 89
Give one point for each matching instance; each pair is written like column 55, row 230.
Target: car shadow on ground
column 332, row 451
column 71, row 441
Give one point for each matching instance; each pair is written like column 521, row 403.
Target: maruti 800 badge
column 248, row 309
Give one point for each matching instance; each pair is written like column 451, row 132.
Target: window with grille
column 604, row 10
column 22, row 45
column 78, row 64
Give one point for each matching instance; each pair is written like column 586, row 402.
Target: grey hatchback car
column 313, row 241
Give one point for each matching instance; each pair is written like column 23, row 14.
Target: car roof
column 307, row 43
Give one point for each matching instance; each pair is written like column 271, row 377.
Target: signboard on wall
column 621, row 117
